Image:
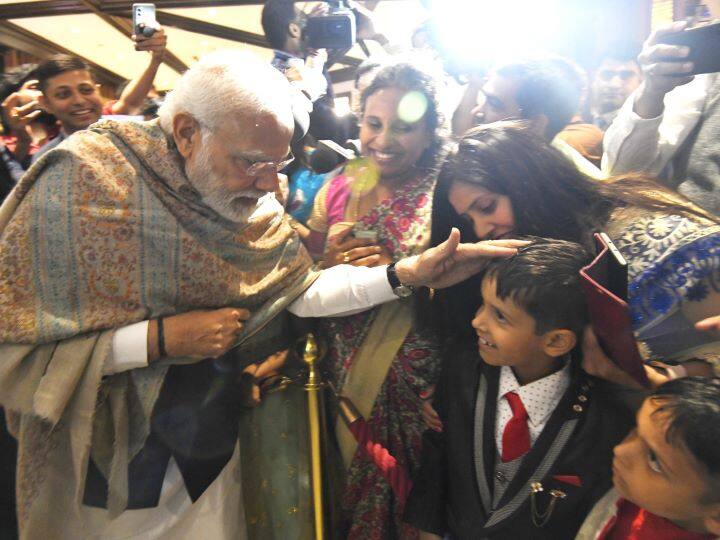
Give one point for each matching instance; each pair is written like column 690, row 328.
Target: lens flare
column 412, row 107
column 365, row 175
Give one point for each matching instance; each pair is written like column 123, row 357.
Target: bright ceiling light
column 487, row 31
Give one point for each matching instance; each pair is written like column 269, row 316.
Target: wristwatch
column 400, row 290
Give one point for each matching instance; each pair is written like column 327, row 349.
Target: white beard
column 238, row 207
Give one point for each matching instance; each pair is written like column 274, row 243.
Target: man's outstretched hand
column 452, row 262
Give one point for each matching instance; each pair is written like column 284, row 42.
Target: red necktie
column 516, row 436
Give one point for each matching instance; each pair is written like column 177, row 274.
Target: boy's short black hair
column 544, row 280
column 551, row 86
column 693, row 408
column 56, row 65
column 276, row 16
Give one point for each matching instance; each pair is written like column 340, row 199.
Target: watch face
column 402, row 291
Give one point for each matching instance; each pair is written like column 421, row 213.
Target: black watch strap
column 392, row 276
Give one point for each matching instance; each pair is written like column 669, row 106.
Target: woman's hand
column 356, row 251
column 203, row 333
column 429, row 414
column 452, row 262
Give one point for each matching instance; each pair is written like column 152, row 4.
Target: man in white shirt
column 669, row 127
column 115, row 255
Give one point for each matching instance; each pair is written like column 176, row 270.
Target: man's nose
column 267, row 181
column 615, row 81
column 77, row 98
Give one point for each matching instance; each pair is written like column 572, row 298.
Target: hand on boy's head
column 452, row 262
column 657, row 472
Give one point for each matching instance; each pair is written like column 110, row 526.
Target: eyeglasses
column 255, row 168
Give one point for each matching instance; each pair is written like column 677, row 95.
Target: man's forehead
column 66, row 78
column 611, row 64
column 501, row 87
column 256, row 132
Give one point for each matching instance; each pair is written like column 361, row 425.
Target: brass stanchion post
column 313, row 387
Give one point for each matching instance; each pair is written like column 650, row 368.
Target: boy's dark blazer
column 452, row 491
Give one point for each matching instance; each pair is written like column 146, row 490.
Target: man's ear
column 294, row 30
column 42, row 101
column 187, row 134
column 559, row 342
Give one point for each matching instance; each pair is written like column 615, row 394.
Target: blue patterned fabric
column 304, row 185
column 671, row 260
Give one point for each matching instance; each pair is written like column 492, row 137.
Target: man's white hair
column 224, row 83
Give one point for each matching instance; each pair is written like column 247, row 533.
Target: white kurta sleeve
column 129, row 349
column 343, row 290
column 632, row 143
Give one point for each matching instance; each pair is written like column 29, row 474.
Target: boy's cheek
column 656, row 498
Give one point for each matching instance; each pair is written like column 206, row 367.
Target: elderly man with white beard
column 142, row 267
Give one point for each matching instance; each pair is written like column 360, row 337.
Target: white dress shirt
column 539, row 399
column 338, row 291
column 632, row 143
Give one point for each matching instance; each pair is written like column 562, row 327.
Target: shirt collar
column 281, row 59
column 539, row 397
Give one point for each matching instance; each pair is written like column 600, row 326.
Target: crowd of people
column 163, row 257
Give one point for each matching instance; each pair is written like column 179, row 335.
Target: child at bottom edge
column 667, row 471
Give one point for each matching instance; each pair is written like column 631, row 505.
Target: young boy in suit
column 525, row 445
column 667, row 471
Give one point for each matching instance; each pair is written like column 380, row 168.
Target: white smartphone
column 144, row 21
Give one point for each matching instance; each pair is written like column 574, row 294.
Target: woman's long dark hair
column 550, row 197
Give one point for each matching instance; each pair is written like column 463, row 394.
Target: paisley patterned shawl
column 102, row 232
column 673, row 263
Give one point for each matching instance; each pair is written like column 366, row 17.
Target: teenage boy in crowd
column 667, row 471
column 617, row 76
column 69, row 92
column 525, row 445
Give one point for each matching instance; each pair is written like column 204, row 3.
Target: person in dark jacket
column 525, row 444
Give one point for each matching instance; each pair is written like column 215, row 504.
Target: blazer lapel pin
column 540, row 518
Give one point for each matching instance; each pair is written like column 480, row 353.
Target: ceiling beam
column 125, row 27
column 12, row 35
column 211, row 29
column 47, row 8
column 113, row 10
column 343, row 75
column 225, row 32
